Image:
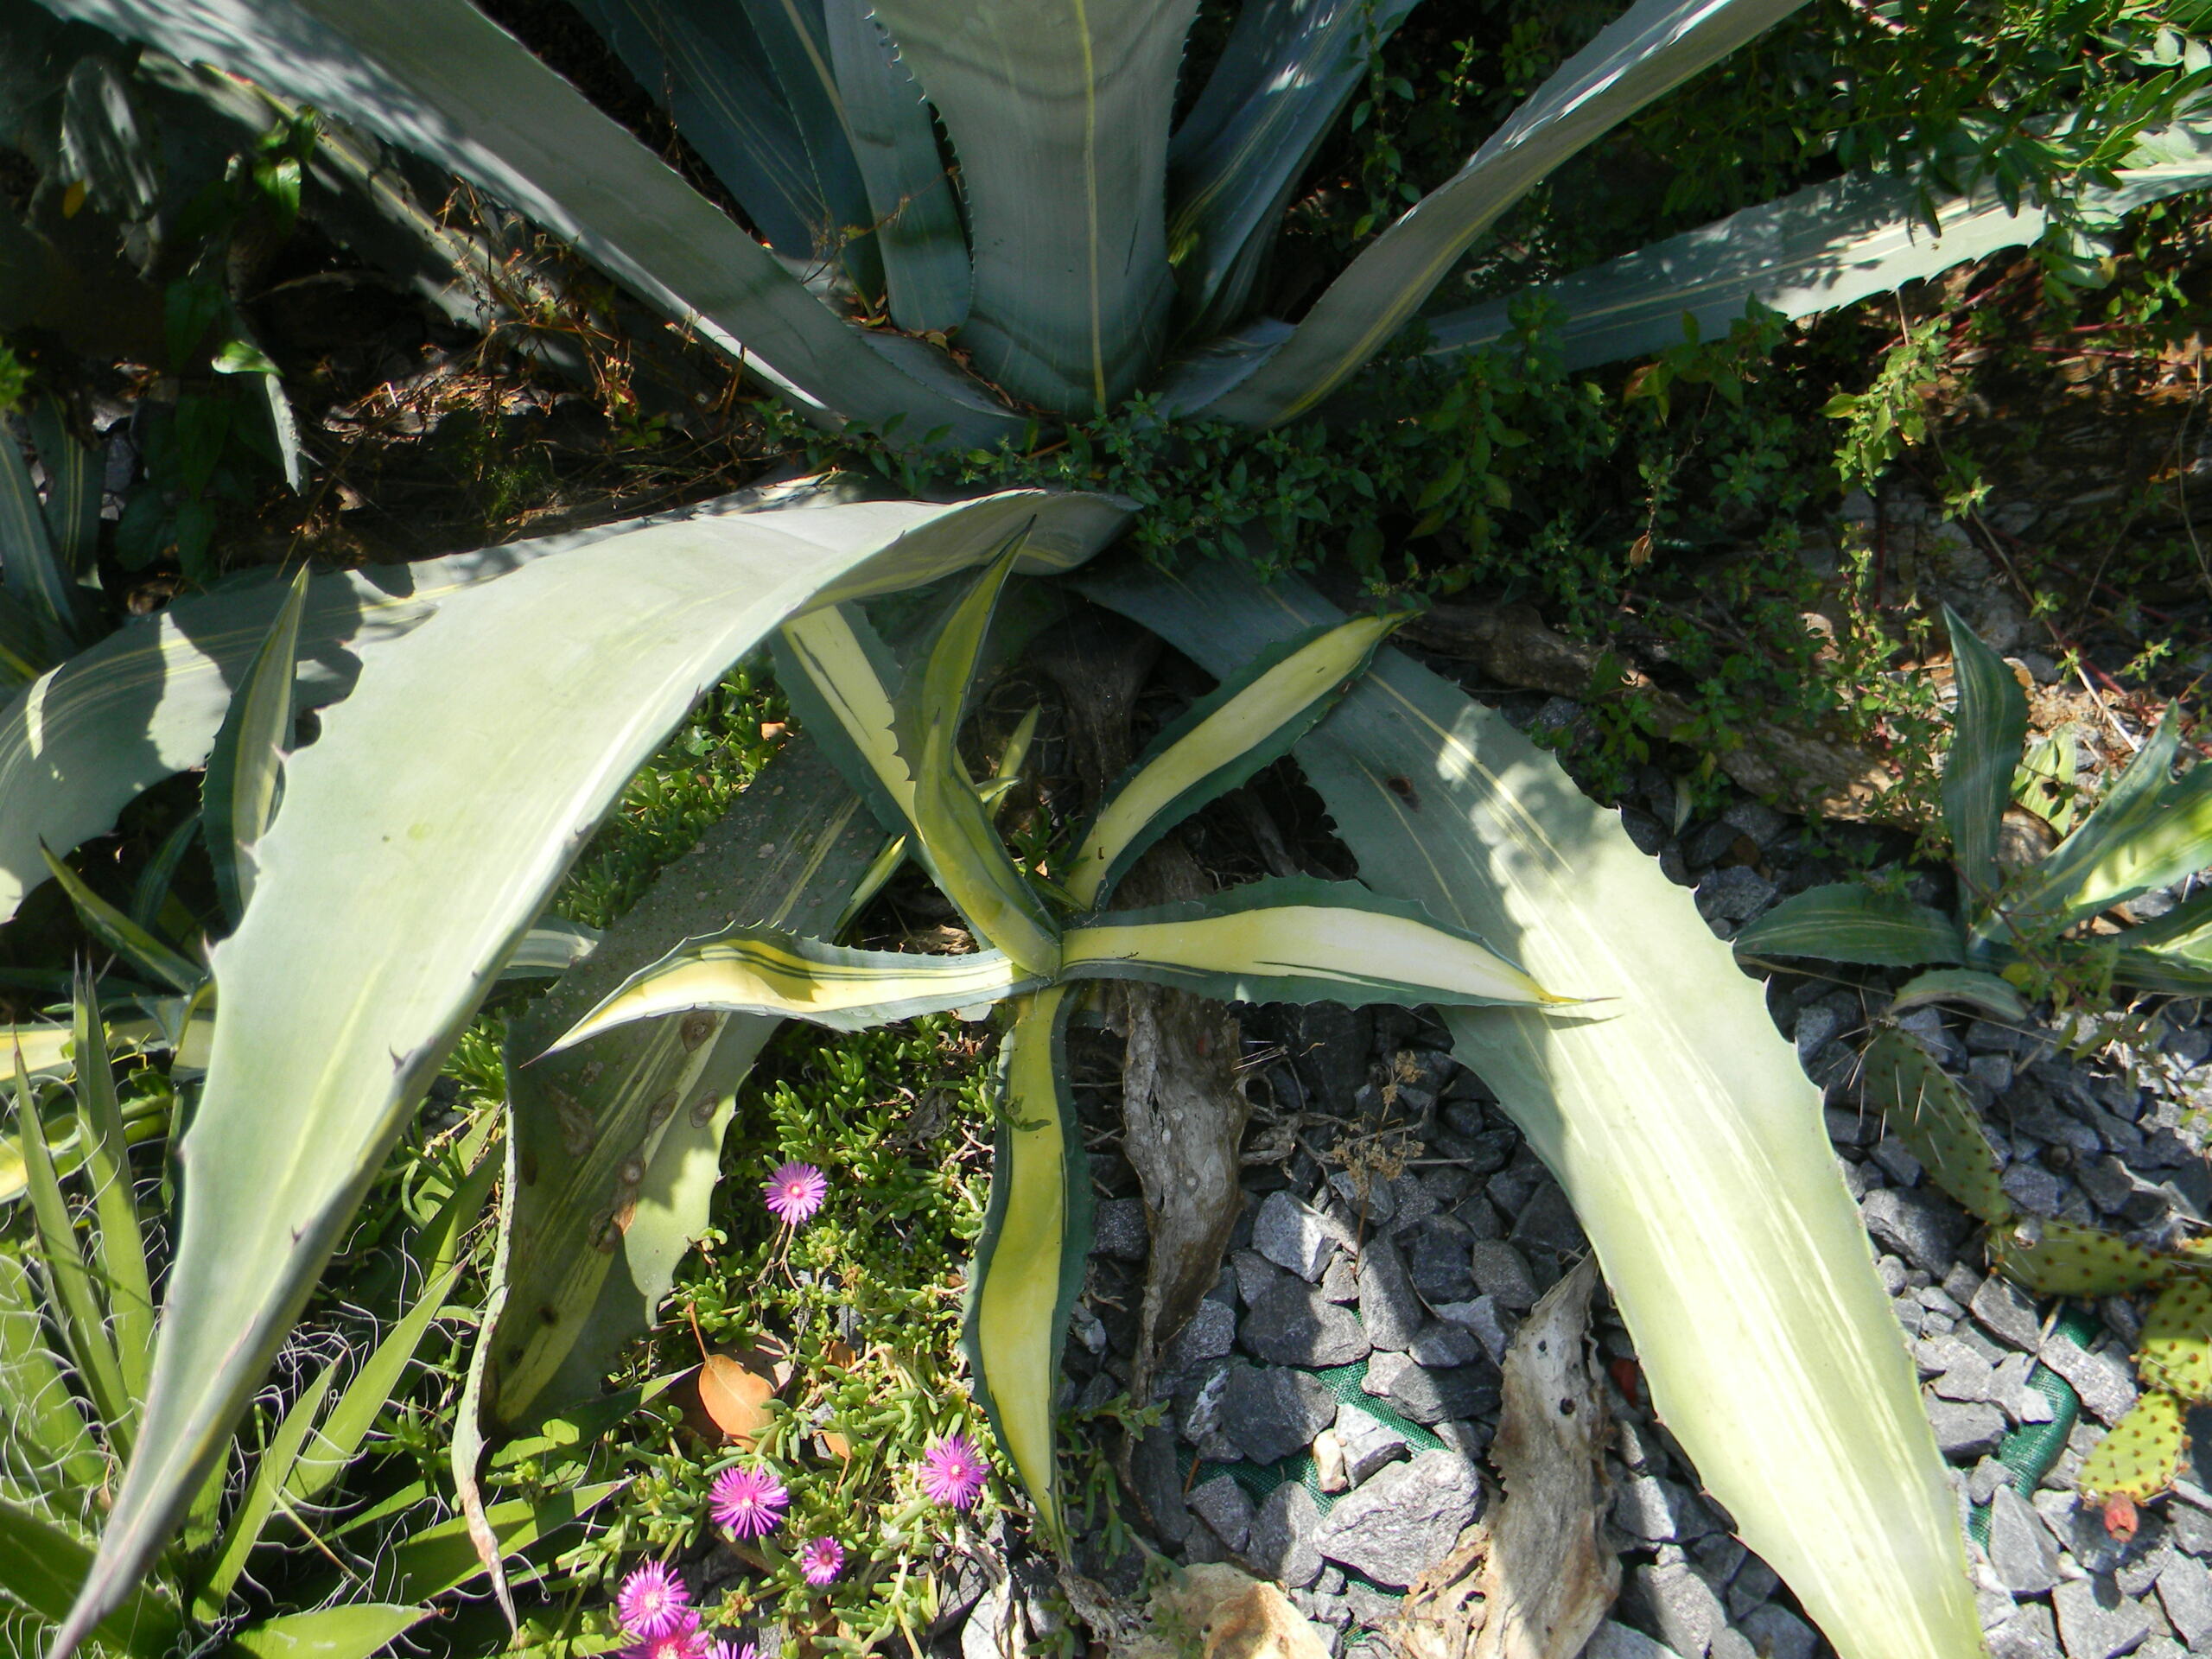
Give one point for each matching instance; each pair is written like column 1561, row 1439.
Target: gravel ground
column 1356, row 1328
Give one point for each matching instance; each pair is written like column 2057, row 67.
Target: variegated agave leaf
column 1245, row 725
column 1029, row 1259
column 1681, row 1127
column 1294, row 939
column 765, row 972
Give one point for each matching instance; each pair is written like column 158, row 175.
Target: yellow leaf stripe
column 758, row 971
column 1357, row 950
column 1239, row 725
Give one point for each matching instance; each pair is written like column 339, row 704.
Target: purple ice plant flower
column 821, row 1560
column 653, row 1601
column 733, row 1650
column 683, row 1640
column 747, row 1502
column 795, row 1192
column 953, row 1471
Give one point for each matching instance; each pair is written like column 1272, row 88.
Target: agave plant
column 494, row 705
column 88, row 1303
column 2019, row 920
column 1283, row 940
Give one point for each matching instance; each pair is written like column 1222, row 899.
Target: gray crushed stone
column 1421, row 1274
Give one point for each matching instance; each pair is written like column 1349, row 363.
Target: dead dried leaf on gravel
column 1537, row 1582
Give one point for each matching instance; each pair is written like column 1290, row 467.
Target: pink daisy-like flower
column 733, row 1650
column 953, row 1471
column 682, row 1640
column 795, row 1192
column 653, row 1602
column 821, row 1560
column 747, row 1502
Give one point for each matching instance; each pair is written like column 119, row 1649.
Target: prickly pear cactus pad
column 2175, row 1352
column 2141, row 1456
column 2063, row 1258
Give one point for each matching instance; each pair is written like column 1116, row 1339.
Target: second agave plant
column 1043, row 936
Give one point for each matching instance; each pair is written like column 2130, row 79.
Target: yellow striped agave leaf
column 1248, row 724
column 1296, row 939
column 429, row 845
column 1682, row 1127
column 893, row 737
column 1029, row 1259
column 841, row 683
column 765, row 970
column 954, row 832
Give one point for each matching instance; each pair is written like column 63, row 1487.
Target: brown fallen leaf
column 1535, row 1581
column 836, row 1445
column 1548, row 1581
column 735, row 1397
column 1232, row 1615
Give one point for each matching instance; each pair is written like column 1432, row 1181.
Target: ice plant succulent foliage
column 1102, row 249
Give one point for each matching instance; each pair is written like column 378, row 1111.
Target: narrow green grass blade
column 429, row 845
column 44, row 1426
column 625, row 1138
column 122, row 1249
column 33, row 572
column 353, row 1631
column 1992, row 997
column 784, row 976
column 1294, row 939
column 124, row 937
column 1681, row 1126
column 1655, row 45
column 1988, row 733
column 439, row 78
column 1029, row 1259
column 41, row 1565
column 340, row 1434
column 1059, row 120
column 149, row 896
column 925, row 248
column 250, row 1519
column 73, row 490
column 246, row 766
column 1244, row 726
column 69, row 1281
column 1849, row 921
column 439, row 1558
column 1282, row 77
